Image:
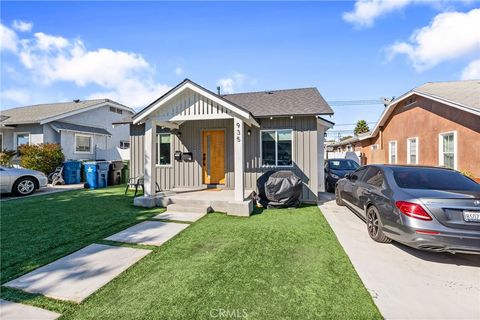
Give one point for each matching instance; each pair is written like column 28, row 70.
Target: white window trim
column 15, row 141
column 158, row 151
column 409, row 140
column 390, row 152
column 440, row 149
column 75, row 143
column 276, row 148
column 120, row 145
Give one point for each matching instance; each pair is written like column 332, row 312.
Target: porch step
column 190, row 208
column 189, row 202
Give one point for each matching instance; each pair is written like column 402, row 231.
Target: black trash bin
column 115, row 173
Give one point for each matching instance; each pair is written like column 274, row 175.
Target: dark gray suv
column 429, row 208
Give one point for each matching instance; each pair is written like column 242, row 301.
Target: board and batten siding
column 304, row 153
column 189, row 174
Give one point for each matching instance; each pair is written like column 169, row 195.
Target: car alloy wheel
column 26, row 187
column 372, row 223
column 375, row 227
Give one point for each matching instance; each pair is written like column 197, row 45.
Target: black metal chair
column 138, row 182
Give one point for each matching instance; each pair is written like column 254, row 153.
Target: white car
column 21, row 182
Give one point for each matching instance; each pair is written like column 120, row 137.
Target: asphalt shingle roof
column 466, row 93
column 304, row 101
column 59, row 126
column 39, row 112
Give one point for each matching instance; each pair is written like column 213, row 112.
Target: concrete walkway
column 78, row 275
column 406, row 283
column 153, row 233
column 17, row 311
column 180, row 216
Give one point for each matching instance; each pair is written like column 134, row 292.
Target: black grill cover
column 280, row 189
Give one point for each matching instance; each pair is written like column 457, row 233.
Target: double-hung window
column 392, row 152
column 164, row 149
column 276, row 147
column 83, row 143
column 412, row 150
column 448, row 150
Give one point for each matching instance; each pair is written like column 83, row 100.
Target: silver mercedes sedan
column 428, row 208
column 21, row 182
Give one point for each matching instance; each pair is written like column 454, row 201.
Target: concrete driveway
column 47, row 190
column 406, row 283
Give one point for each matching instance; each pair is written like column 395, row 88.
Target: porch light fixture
column 271, row 118
column 249, row 132
column 291, row 117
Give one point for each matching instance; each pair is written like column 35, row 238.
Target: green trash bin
column 125, row 171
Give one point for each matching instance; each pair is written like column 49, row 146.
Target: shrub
column 6, row 157
column 43, row 157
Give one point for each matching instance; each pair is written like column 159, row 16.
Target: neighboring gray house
column 232, row 140
column 83, row 128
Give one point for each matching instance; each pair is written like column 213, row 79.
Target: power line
column 350, row 124
column 340, row 103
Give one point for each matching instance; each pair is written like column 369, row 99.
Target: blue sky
column 132, row 52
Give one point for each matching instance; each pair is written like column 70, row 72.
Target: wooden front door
column 213, row 157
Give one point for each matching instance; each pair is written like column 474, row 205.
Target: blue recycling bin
column 96, row 173
column 71, row 172
column 91, row 177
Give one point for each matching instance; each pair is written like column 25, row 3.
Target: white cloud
column 123, row 76
column 17, row 96
column 472, row 71
column 366, row 11
column 22, row 26
column 8, row 39
column 233, row 83
column 451, row 35
column 179, row 71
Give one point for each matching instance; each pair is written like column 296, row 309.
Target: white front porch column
column 149, row 158
column 239, row 156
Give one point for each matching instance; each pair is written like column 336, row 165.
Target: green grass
column 278, row 264
column 37, row 230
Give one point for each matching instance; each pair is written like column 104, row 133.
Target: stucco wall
column 68, row 146
column 102, row 118
column 35, row 130
column 426, row 119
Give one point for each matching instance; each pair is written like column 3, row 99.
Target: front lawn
column 37, row 230
column 278, row 264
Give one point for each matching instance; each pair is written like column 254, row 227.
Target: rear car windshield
column 343, row 164
column 431, row 178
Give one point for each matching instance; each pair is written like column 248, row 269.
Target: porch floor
column 217, row 194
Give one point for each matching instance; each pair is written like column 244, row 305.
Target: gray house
column 191, row 138
column 83, row 128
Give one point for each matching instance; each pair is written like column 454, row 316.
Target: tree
column 361, row 127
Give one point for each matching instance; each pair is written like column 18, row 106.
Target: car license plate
column 471, row 216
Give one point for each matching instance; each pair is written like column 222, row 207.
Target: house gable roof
column 188, row 84
column 44, row 113
column 302, row 101
column 463, row 95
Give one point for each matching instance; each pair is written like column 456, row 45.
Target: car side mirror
column 348, row 176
